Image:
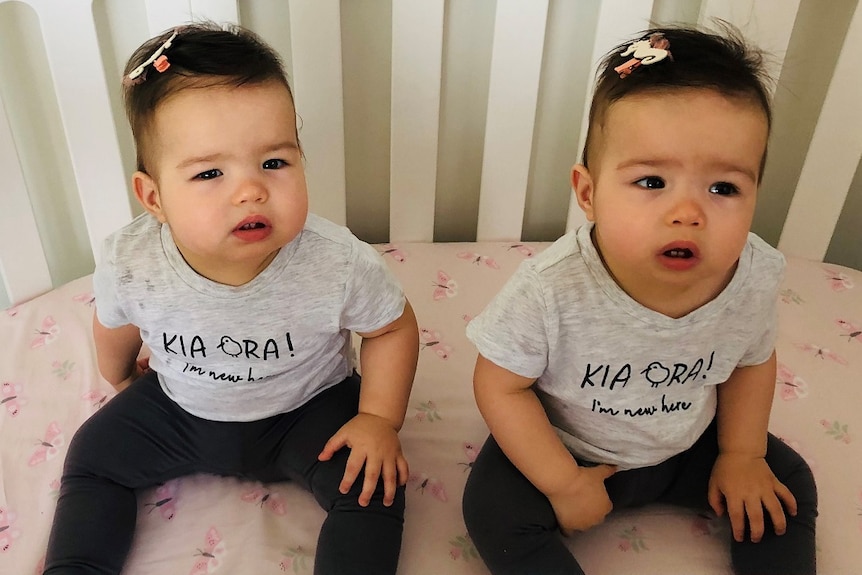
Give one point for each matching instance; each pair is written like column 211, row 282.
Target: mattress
column 206, row 524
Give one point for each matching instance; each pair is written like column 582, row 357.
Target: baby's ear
column 147, row 192
column 582, row 185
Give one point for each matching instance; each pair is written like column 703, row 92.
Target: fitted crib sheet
column 205, row 524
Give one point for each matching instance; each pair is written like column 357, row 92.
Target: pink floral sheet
column 203, row 524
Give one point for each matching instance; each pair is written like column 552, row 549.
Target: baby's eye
column 650, row 183
column 274, row 164
column 208, row 175
column 723, row 189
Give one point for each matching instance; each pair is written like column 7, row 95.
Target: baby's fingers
column 403, row 470
column 776, row 513
column 351, row 472
column 144, row 364
column 335, row 443
column 716, row 500
column 754, row 509
column 736, row 514
column 390, row 482
column 372, row 475
column 786, row 497
column 777, row 510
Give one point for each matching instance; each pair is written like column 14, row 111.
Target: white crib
column 441, row 131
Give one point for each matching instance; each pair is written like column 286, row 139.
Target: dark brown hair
column 699, row 60
column 203, row 54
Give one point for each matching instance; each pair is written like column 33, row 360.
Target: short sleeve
column 511, row 331
column 763, row 345
column 373, row 297
column 767, row 284
column 108, row 308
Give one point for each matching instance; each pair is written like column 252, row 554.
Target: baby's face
column 227, row 177
column 673, row 192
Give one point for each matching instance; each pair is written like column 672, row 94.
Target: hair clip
column 158, row 60
column 645, row 51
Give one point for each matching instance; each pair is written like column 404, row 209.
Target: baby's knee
column 87, row 449
column 791, row 469
column 799, row 479
column 325, row 485
column 491, row 516
column 479, row 507
column 804, row 489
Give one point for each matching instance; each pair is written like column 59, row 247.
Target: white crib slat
column 766, row 23
column 221, row 11
column 833, row 157
column 516, row 64
column 417, row 58
column 23, row 266
column 315, row 39
column 85, row 110
column 165, row 14
column 618, row 21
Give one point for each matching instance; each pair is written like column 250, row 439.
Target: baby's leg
column 794, row 552
column 511, row 523
column 138, row 439
column 790, row 554
column 353, row 539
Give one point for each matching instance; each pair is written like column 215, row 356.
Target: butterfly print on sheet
column 211, row 555
column 445, row 286
column 267, row 499
column 791, row 386
column 421, row 482
column 821, row 352
column 479, row 259
column 8, row 532
column 394, row 252
column 10, row 398
column 522, row 249
column 431, row 339
column 471, row 450
column 47, row 448
column 96, row 398
column 165, row 499
column 46, row 334
column 838, row 281
column 850, row 330
column 88, row 299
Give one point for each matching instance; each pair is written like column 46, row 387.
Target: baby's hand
column 743, row 485
column 373, row 441
column 141, row 368
column 585, row 502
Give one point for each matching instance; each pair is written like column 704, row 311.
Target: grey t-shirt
column 248, row 352
column 623, row 384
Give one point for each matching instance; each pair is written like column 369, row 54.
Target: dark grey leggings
column 521, row 536
column 142, row 438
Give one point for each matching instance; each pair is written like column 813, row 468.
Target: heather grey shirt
column 623, row 384
column 245, row 353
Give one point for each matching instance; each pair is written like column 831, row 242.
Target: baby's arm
column 116, row 352
column 521, row 427
column 741, row 481
column 388, row 357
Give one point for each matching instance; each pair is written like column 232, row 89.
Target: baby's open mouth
column 679, row 253
column 252, row 226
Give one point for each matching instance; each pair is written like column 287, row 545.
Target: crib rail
column 529, row 43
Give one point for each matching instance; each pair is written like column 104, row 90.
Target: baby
column 246, row 302
column 633, row 360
